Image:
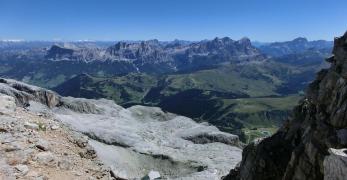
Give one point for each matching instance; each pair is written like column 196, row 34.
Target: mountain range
column 231, row 84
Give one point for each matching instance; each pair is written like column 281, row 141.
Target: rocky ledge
column 134, row 142
column 33, row 146
column 304, row 147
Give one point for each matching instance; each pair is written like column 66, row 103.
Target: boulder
column 152, row 175
column 42, row 145
column 22, row 169
column 46, row 158
column 335, row 164
column 32, row 126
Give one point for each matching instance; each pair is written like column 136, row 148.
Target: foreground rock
column 300, row 149
column 37, row 153
column 133, row 142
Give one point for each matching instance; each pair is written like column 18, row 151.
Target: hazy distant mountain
column 145, row 56
column 175, row 54
column 298, row 45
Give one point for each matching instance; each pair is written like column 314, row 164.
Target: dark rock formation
column 205, row 138
column 24, row 93
column 319, row 122
column 59, row 52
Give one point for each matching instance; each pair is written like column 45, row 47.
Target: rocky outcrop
column 24, row 93
column 133, row 142
column 33, row 146
column 299, row 148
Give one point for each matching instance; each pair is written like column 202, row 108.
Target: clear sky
column 261, row 20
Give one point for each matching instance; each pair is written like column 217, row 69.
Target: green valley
column 235, row 98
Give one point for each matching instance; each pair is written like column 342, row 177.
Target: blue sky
column 261, row 20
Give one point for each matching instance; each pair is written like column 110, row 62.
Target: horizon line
column 175, row 39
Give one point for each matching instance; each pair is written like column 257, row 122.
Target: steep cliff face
column 300, row 149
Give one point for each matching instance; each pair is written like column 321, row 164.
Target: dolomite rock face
column 135, row 141
column 299, row 148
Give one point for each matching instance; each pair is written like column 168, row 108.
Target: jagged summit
column 224, row 46
column 300, row 40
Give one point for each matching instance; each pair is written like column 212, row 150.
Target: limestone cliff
column 301, row 148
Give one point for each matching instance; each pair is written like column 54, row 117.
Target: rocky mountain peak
column 300, row 40
column 221, row 41
column 225, row 46
column 311, row 144
column 120, row 45
column 57, row 51
column 134, row 45
column 73, row 53
column 245, row 41
column 137, row 51
column 152, row 42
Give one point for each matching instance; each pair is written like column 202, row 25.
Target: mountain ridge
column 297, row 45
